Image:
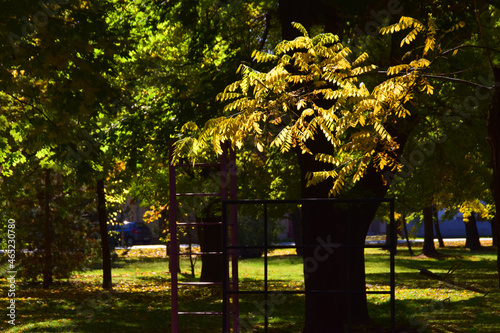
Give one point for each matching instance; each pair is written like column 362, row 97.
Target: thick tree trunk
column 210, row 237
column 106, row 257
column 47, row 234
column 472, row 241
column 494, row 234
column 308, row 13
column 334, row 234
column 494, row 140
column 297, row 230
column 429, row 249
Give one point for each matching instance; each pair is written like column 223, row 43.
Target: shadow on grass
column 476, row 314
column 78, row 310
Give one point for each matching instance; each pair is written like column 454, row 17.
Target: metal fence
column 231, row 289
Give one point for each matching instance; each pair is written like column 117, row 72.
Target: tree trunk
column 297, row 230
column 101, row 215
column 328, row 265
column 437, row 228
column 494, row 140
column 472, row 241
column 210, row 237
column 405, row 226
column 494, row 235
column 429, row 249
column 47, row 234
column 308, row 13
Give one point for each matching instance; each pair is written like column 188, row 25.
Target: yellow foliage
column 482, row 210
column 315, row 87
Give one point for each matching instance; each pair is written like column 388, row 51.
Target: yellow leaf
column 189, row 126
column 260, row 147
column 362, row 120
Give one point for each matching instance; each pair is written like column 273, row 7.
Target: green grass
column 140, row 301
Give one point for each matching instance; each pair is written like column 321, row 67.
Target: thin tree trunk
column 47, row 235
column 163, row 226
column 472, row 241
column 436, row 227
column 405, row 228
column 192, row 261
column 106, row 256
column 429, row 248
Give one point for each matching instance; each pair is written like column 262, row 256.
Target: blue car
column 132, row 233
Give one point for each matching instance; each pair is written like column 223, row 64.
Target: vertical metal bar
column 225, row 275
column 174, row 255
column 224, row 194
column 266, row 291
column 234, row 238
column 392, row 273
column 349, row 254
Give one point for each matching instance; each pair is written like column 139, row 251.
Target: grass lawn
column 140, row 301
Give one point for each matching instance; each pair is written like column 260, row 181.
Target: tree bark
column 494, row 141
column 47, row 235
column 329, row 264
column 308, row 13
column 210, row 237
column 436, row 226
column 472, row 241
column 297, row 230
column 405, row 226
column 429, row 249
column 494, row 235
column 106, row 256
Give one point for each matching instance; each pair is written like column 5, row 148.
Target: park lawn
column 140, row 301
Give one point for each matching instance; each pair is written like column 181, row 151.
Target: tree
column 488, row 38
column 478, row 40
column 72, row 244
column 55, row 81
column 310, row 102
column 184, row 53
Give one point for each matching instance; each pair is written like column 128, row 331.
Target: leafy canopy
column 313, row 88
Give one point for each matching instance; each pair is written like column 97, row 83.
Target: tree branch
column 453, row 79
column 470, row 46
column 266, row 31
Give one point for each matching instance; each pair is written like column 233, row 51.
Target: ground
column 140, row 300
